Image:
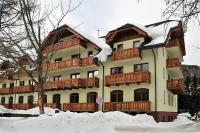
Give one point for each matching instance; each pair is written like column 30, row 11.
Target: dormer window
column 119, row 47
column 136, row 44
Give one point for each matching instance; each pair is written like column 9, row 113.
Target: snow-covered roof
column 158, row 31
column 105, row 48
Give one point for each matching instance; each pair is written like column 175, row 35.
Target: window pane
column 146, row 66
column 96, row 73
column 136, row 44
column 90, row 74
column 137, row 67
column 120, row 47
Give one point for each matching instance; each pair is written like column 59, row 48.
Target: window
column 11, row 85
column 75, row 56
column 58, row 59
column 116, row 70
column 75, row 75
column 30, row 99
column 116, row 96
column 164, row 96
column 136, row 44
column 56, row 98
column 141, row 94
column 91, row 97
column 141, row 67
column 90, row 53
column 92, row 74
column 119, row 47
column 163, row 73
column 30, row 82
column 113, row 49
column 169, row 101
column 74, row 98
column 45, row 99
column 20, row 99
column 21, row 83
column 55, row 78
column 3, row 99
column 3, row 85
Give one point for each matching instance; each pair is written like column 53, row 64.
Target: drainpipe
column 103, row 80
column 155, row 72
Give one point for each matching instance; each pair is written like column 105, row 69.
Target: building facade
column 143, row 74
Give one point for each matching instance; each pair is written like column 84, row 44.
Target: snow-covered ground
column 110, row 122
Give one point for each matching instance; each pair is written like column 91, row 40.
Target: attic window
column 136, row 44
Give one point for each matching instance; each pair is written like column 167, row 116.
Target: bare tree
column 184, row 10
column 25, row 37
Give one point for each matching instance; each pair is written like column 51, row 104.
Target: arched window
column 116, row 96
column 141, row 94
column 91, row 97
column 56, row 98
column 20, row 99
column 74, row 98
column 45, row 99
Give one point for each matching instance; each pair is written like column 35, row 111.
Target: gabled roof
column 102, row 47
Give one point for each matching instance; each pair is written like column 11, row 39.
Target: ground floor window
column 74, row 98
column 141, row 94
column 56, row 98
column 20, row 99
column 116, row 96
column 45, row 99
column 3, row 99
column 91, row 97
column 30, row 99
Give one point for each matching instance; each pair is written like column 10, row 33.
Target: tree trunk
column 41, row 84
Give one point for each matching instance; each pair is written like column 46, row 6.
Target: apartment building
column 136, row 70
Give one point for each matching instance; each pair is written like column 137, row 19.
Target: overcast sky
column 105, row 15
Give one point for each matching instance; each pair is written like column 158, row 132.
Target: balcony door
column 56, row 100
column 30, row 101
column 10, row 102
column 116, row 96
column 141, row 94
column 91, row 97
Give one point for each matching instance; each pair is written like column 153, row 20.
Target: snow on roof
column 158, row 31
column 105, row 48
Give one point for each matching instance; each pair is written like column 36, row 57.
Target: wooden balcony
column 23, row 89
column 62, row 45
column 5, row 105
column 125, row 54
column 174, row 67
column 70, row 63
column 80, row 107
column 72, row 84
column 128, row 78
column 174, row 48
column 4, row 91
column 137, row 106
column 21, row 106
column 176, row 86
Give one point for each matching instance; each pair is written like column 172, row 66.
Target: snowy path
column 188, row 128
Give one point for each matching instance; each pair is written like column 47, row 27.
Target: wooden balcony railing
column 80, row 107
column 62, row 45
column 137, row 106
column 5, row 105
column 125, row 54
column 23, row 89
column 72, row 83
column 174, row 62
column 176, row 86
column 4, row 91
column 128, row 78
column 77, row 62
column 21, row 106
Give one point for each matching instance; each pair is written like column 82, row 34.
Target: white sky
column 106, row 15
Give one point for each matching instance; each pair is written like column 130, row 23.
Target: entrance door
column 30, row 101
column 56, row 100
column 10, row 102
